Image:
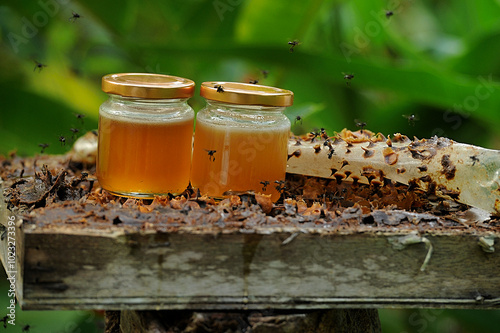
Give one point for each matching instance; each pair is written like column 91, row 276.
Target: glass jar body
column 239, row 148
column 144, row 146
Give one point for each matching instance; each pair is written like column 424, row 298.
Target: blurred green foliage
column 437, row 60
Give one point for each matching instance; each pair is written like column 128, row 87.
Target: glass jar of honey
column 145, row 134
column 241, row 139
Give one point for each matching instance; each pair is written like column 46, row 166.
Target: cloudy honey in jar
column 241, row 139
column 145, row 134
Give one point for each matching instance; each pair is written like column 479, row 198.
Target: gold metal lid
column 246, row 93
column 147, row 85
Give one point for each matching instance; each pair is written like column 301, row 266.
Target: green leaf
column 32, row 120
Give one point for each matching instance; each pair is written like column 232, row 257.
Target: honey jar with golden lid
column 241, row 139
column 145, row 134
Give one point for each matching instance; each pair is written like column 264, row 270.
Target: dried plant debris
column 55, row 191
column 438, row 166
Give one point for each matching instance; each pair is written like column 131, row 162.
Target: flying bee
column 62, row 140
column 4, row 319
column 38, row 65
column 26, row 328
column 411, row 119
column 298, row 118
column 293, row 44
column 264, row 185
column 360, row 124
column 253, row 81
column 348, row 78
column 220, row 88
column 43, row 146
column 74, row 131
column 74, row 16
column 80, row 117
column 211, row 153
column 265, row 73
column 388, row 13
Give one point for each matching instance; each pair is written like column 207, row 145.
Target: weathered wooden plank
column 85, row 254
column 235, row 270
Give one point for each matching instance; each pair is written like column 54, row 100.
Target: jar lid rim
column 147, row 85
column 246, row 93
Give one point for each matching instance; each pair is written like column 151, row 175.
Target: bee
column 411, row 119
column 330, row 153
column 80, row 117
column 38, row 65
column 26, row 328
column 348, row 78
column 293, row 44
column 74, row 17
column 280, row 186
column 474, row 159
column 298, row 118
column 334, row 196
column 324, row 135
column 388, row 13
column 211, row 153
column 265, row 73
column 62, row 140
column 360, row 124
column 43, row 146
column 220, row 88
column 4, row 319
column 315, row 135
column 253, row 81
column 74, row 131
column 264, row 185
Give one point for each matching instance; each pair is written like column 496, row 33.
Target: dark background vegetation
column 437, row 60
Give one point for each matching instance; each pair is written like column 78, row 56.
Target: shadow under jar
column 241, row 139
column 145, row 134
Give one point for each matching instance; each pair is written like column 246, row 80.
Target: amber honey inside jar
column 145, row 135
column 241, row 139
